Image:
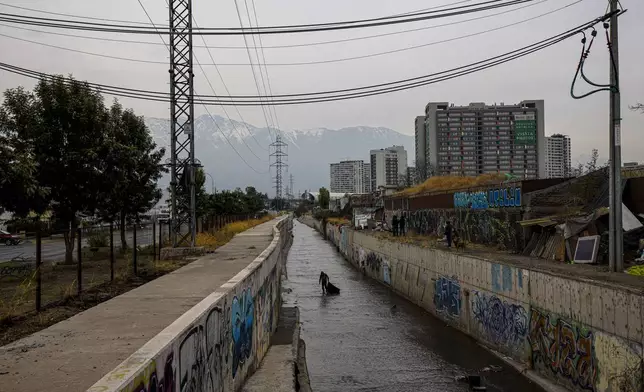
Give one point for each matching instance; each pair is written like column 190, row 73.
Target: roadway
column 369, row 339
column 53, row 249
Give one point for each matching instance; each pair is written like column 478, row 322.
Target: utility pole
column 616, row 234
column 291, row 187
column 182, row 146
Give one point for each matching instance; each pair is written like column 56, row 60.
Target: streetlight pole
column 616, row 234
column 212, row 183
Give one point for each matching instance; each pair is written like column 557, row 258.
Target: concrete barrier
column 218, row 343
column 582, row 334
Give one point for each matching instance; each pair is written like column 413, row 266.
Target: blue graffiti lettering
column 243, row 312
column 503, row 323
column 493, row 198
column 447, row 296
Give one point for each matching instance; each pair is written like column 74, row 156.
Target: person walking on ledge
column 401, row 223
column 448, row 233
column 394, row 225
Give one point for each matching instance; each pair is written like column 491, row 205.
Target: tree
column 132, row 166
column 61, row 127
column 20, row 192
column 324, row 198
column 591, row 166
column 638, row 107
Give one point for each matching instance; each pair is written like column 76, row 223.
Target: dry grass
column 339, row 221
column 226, row 233
column 445, row 183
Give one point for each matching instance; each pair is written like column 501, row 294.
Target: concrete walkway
column 73, row 354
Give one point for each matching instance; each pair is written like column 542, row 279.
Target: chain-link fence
column 41, row 271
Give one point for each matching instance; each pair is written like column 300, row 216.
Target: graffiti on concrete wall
column 563, row 349
column 478, row 226
column 493, row 198
column 156, row 380
column 504, row 324
column 243, row 313
column 501, row 277
column 386, row 272
column 193, row 369
column 266, row 302
column 344, row 240
column 373, row 261
column 447, row 296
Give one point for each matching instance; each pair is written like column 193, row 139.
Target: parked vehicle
column 9, row 239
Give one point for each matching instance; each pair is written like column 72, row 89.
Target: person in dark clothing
column 448, row 233
column 401, row 223
column 394, row 225
column 324, row 281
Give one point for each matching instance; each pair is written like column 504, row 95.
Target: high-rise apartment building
column 422, row 148
column 478, row 138
column 388, row 167
column 367, row 178
column 558, row 163
column 348, row 177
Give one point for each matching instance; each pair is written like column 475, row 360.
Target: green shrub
column 98, row 238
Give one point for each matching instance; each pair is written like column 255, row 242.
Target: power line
column 308, row 44
column 78, row 16
column 350, row 93
column 365, row 23
column 371, row 55
column 280, row 153
column 205, row 107
column 250, row 60
column 165, row 25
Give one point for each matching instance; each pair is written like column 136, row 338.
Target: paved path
column 73, row 354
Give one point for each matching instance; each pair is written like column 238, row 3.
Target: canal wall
column 218, row 343
column 581, row 333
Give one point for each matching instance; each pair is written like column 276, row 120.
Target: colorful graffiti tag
column 493, row 198
column 504, row 323
column 373, row 261
column 562, row 349
column 152, row 380
column 243, row 313
column 386, row 272
column 447, row 296
column 502, row 277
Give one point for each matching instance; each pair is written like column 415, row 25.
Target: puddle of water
column 369, row 339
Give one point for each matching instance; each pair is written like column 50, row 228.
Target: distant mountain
column 310, row 151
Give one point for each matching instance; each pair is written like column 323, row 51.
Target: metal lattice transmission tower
column 182, row 148
column 290, row 188
column 279, row 158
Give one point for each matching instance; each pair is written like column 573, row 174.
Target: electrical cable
column 365, row 23
column 371, row 55
column 309, row 44
column 353, row 92
column 252, row 69
column 165, row 25
column 585, row 51
column 205, row 107
column 262, row 60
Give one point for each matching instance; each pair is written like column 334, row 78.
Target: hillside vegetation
column 446, row 183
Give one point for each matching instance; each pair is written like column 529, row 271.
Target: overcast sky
column 545, row 75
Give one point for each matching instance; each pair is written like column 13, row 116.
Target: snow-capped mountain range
column 310, row 151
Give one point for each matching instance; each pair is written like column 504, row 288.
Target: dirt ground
column 60, row 300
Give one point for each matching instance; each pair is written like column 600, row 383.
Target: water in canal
column 368, row 339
